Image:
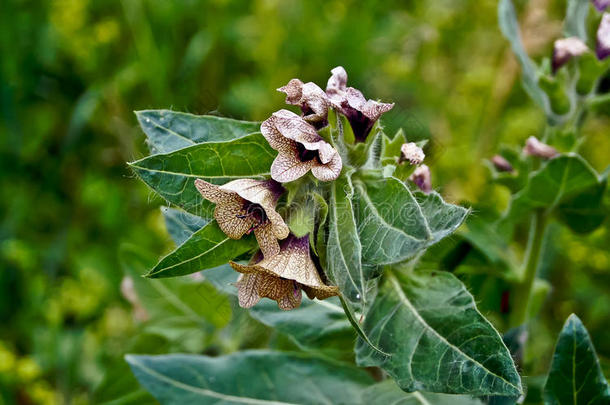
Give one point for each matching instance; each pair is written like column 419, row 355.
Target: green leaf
column 343, row 260
column 125, row 390
column 249, row 377
column 509, row 25
column 208, row 247
column 168, row 131
column 575, row 24
column 172, row 175
column 343, row 254
column 318, row 325
column 181, row 224
column 437, row 339
column 585, row 212
column 192, row 304
column 575, row 376
column 394, row 225
column 567, row 183
column 387, row 392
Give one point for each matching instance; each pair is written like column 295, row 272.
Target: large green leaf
column 575, row 23
column 168, row 131
column 319, row 325
column 125, row 390
column 343, row 249
column 387, row 392
column 509, row 25
column 186, row 302
column 208, row 247
column 575, row 376
column 181, row 224
column 172, row 175
column 394, row 225
column 249, row 377
column 438, row 341
column 566, row 184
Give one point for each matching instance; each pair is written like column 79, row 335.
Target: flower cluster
column 285, row 265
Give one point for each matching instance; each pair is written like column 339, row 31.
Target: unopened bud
column 602, row 48
column 412, row 153
column 421, row 178
column 533, row 147
column 566, row 48
column 501, row 164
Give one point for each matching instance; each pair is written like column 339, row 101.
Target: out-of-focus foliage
column 72, row 71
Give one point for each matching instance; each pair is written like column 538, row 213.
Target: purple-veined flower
column 360, row 112
column 246, row 205
column 300, row 149
column 312, row 100
column 282, row 277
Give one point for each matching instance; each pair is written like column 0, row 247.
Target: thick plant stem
column 523, row 293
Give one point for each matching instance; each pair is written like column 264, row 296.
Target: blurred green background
column 73, row 71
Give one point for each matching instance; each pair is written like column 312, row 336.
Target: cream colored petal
column 321, row 293
column 293, row 263
column 274, row 288
column 291, row 301
column 211, row 192
column 232, row 218
column 255, row 191
column 326, row 152
column 292, row 126
column 374, row 109
column 412, row 153
column 247, row 290
column 269, row 129
column 279, row 227
column 337, row 81
column 329, row 171
column 266, row 239
column 294, row 91
column 286, row 168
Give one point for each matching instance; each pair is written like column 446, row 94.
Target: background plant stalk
column 523, row 292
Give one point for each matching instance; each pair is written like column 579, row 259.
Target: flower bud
column 602, row 48
column 421, row 178
column 412, row 153
column 566, row 48
column 533, row 147
column 501, row 164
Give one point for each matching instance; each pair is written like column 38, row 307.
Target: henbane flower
column 247, row 205
column 312, row 99
column 282, row 277
column 360, row 112
column 300, row 149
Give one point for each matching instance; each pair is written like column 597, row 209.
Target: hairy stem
column 523, row 292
